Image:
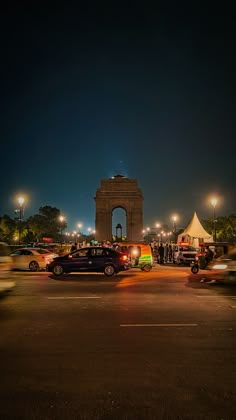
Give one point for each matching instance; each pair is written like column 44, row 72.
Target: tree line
column 225, row 228
column 46, row 224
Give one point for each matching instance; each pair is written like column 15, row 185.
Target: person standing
column 73, row 247
column 161, row 251
column 166, row 253
column 170, row 253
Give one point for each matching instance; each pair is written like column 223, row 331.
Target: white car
column 33, row 259
column 184, row 254
column 5, row 266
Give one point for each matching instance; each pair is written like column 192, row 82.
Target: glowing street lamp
column 20, row 201
column 158, row 226
column 214, row 203
column 174, row 218
column 61, row 220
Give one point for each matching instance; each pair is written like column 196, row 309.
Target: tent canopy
column 194, row 232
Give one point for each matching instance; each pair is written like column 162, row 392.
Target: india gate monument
column 119, row 192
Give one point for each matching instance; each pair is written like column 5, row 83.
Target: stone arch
column 124, row 216
column 115, row 192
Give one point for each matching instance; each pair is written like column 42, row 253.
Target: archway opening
column 119, row 224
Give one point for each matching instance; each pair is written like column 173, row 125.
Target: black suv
column 98, row 259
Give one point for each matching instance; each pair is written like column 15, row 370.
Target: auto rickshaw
column 140, row 254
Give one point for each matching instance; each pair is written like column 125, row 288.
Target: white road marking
column 158, row 325
column 73, row 297
column 216, row 296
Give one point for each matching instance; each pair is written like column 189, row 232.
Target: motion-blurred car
column 5, row 266
column 96, row 259
column 225, row 264
column 33, row 259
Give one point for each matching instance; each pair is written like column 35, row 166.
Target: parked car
column 33, row 259
column 5, row 266
column 184, row 254
column 93, row 258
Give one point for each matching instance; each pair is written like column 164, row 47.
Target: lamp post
column 21, row 201
column 174, row 227
column 79, row 225
column 61, row 219
column 157, row 228
column 214, row 203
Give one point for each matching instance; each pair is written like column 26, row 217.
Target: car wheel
column 58, row 270
column 109, row 270
column 146, row 268
column 34, row 266
column 194, row 269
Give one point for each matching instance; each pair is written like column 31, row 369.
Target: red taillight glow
column 124, row 258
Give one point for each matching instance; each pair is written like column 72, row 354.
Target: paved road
column 158, row 345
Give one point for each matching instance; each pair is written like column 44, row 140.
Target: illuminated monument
column 119, row 192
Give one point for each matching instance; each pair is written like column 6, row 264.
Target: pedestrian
column 166, row 253
column 73, row 247
column 161, row 251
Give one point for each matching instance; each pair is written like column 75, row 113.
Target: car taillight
column 124, row 258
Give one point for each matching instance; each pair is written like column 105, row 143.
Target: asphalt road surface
column 158, row 345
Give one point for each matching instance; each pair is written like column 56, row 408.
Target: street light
column 79, row 225
column 158, row 226
column 21, row 201
column 174, row 218
column 214, row 203
column 61, row 219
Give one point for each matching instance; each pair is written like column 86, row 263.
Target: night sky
column 91, row 91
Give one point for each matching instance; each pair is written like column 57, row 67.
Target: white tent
column 194, row 233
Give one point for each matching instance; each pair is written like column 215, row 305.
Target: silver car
column 33, row 259
column 184, row 254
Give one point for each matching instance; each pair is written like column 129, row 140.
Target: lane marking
column 73, row 297
column 216, row 296
column 158, row 325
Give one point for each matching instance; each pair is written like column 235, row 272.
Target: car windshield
column 187, row 248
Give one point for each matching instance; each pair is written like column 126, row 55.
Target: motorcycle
column 199, row 263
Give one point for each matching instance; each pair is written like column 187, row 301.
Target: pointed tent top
column 195, row 229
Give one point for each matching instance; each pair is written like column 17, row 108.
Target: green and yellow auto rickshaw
column 140, row 254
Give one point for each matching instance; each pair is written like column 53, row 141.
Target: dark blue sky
column 89, row 92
